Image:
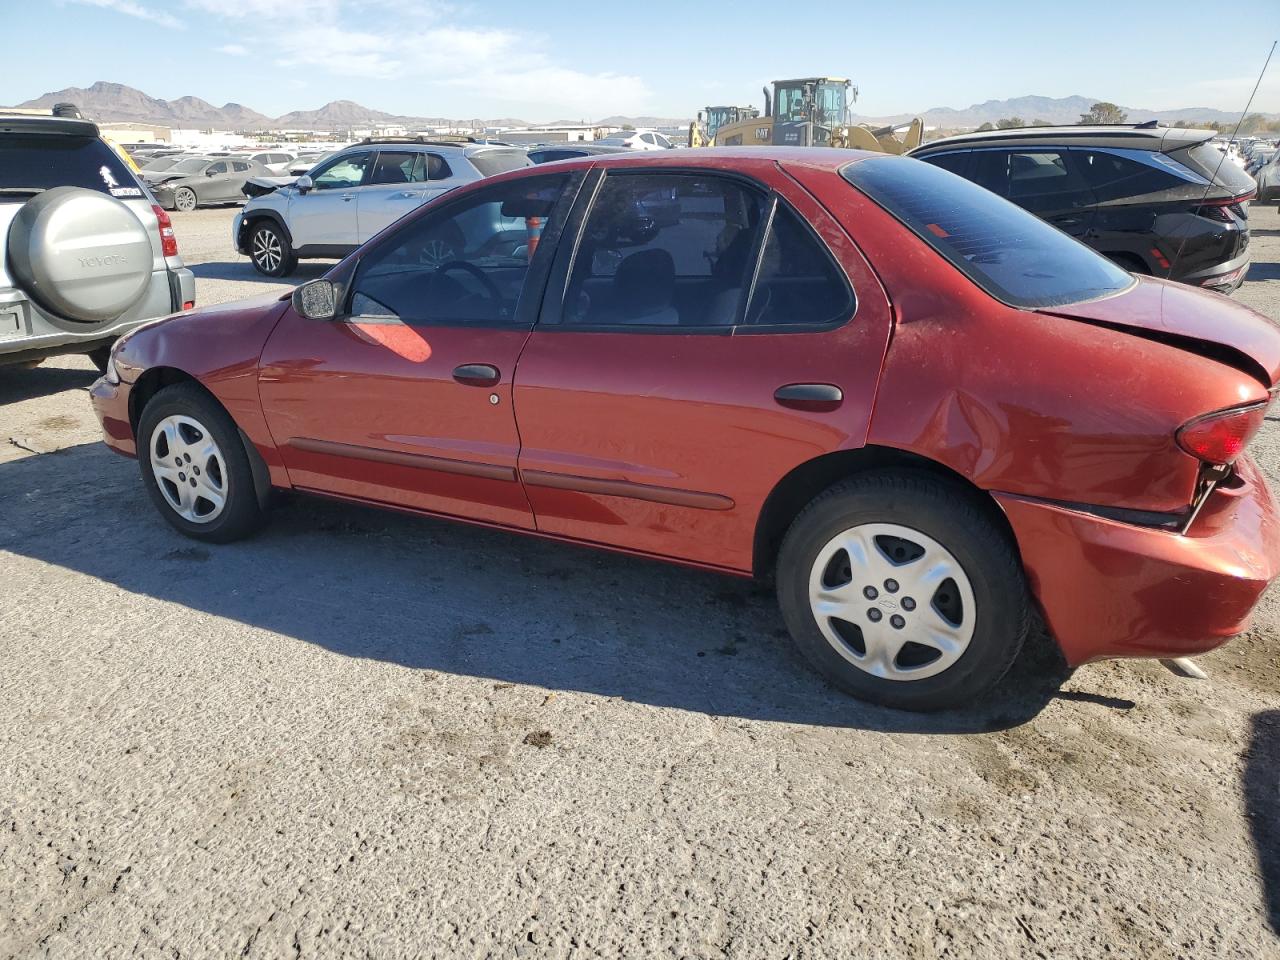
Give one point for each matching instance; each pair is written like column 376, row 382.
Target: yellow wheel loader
column 814, row 112
column 702, row 132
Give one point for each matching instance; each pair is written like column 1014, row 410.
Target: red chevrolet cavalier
column 925, row 412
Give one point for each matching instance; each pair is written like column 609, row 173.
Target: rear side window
column 31, row 163
column 665, row 250
column 1011, row 254
column 798, row 282
column 1112, row 176
column 492, row 162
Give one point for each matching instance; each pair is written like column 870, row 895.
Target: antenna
column 1232, row 139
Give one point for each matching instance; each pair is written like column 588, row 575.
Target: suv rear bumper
column 1111, row 589
column 1222, row 277
column 26, row 334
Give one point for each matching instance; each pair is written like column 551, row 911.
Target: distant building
column 124, row 132
column 581, row 134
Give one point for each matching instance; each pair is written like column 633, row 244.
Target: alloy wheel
column 436, row 254
column 189, row 468
column 892, row 601
column 268, row 252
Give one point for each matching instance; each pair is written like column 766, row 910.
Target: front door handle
column 809, row 396
column 348, row 196
column 477, row 374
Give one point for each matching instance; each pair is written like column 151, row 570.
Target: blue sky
column 542, row 60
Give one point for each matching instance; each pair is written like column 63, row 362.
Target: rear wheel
column 195, row 467
column 270, row 250
column 901, row 590
column 185, row 199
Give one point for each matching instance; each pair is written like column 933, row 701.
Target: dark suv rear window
column 33, row 163
column 1212, row 164
column 492, row 162
column 1013, row 255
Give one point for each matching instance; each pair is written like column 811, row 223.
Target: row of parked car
column 1155, row 200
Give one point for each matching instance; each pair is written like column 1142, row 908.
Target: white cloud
column 426, row 43
column 131, row 9
column 234, row 50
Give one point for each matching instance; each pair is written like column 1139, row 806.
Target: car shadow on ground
column 19, row 382
column 243, row 270
column 1262, row 805
column 429, row 594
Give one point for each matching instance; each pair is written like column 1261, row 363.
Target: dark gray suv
column 86, row 255
column 1157, row 200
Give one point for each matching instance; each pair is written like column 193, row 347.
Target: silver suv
column 85, row 253
column 353, row 194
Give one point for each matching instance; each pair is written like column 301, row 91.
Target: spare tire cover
column 79, row 254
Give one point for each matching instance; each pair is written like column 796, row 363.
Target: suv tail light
column 1222, row 209
column 1220, row 437
column 168, row 242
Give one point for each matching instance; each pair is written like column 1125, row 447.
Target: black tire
column 100, row 357
column 241, row 513
column 954, row 518
column 185, row 199
column 270, row 250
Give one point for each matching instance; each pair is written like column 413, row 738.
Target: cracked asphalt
column 370, row 735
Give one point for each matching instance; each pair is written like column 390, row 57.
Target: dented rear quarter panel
column 1024, row 402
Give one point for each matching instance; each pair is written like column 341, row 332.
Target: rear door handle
column 809, row 396
column 477, row 374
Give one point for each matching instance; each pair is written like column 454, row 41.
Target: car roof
column 44, row 123
column 713, row 158
column 456, row 148
column 1134, row 137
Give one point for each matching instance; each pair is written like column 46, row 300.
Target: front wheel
column 270, row 250
column 185, row 199
column 902, row 591
column 195, row 466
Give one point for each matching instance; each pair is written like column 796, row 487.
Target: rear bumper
column 1222, row 277
column 110, row 402
column 1109, row 589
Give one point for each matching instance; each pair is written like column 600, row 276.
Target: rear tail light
column 1221, row 436
column 168, row 241
column 1222, row 209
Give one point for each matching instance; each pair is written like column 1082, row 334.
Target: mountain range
column 116, row 102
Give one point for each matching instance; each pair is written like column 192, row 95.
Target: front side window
column 463, row 264
column 957, row 162
column 342, row 173
column 1011, row 254
column 665, row 250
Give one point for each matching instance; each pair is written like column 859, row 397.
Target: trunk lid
column 1207, row 324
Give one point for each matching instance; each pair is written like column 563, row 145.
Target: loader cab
column 717, row 117
column 806, row 111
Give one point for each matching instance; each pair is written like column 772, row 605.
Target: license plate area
column 11, row 323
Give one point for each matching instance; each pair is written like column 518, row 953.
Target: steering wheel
column 491, row 290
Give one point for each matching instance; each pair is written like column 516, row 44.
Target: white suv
column 354, row 194
column 86, row 255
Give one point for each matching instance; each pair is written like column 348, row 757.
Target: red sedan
column 927, row 414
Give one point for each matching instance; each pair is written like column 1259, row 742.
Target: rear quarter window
column 1011, row 254
column 42, row 162
column 493, row 162
column 1214, row 166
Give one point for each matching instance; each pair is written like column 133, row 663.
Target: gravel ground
column 364, row 734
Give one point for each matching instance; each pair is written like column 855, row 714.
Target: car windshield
column 491, row 162
column 1013, row 255
column 189, row 166
column 35, row 162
